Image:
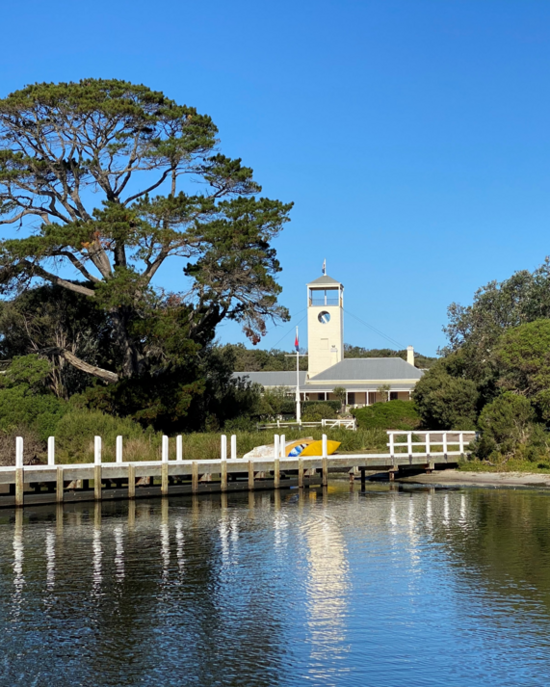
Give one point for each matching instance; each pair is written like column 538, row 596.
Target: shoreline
column 479, row 479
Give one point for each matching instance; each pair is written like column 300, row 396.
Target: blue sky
column 412, row 135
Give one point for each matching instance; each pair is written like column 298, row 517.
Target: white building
column 327, row 368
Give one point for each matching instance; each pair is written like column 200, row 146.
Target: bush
column 34, row 448
column 318, row 411
column 25, row 401
column 75, row 433
column 509, row 431
column 335, row 405
column 446, row 402
column 390, row 415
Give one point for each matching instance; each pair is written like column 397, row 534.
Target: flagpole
column 298, row 408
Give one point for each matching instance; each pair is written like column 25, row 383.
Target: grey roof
column 325, row 280
column 368, row 369
column 372, row 386
column 361, row 374
column 272, row 378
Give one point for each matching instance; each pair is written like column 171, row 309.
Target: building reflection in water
column 119, row 553
column 328, row 594
column 18, row 557
column 97, row 555
column 50, row 559
column 180, row 545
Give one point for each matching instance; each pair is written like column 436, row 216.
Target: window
column 324, row 317
column 393, row 396
column 351, row 398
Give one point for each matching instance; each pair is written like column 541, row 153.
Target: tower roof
column 325, row 280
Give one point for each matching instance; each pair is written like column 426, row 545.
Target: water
column 416, row 587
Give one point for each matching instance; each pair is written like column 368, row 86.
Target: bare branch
column 38, row 271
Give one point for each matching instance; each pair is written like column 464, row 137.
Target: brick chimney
column 410, row 355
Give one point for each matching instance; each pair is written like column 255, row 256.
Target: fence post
column 324, row 478
column 97, row 468
column 119, row 449
column 392, row 449
column 51, row 450
column 276, row 468
column 461, row 438
column 223, row 455
column 18, row 452
column 409, row 443
column 282, row 446
column 445, row 444
column 428, row 446
column 233, row 446
column 165, row 448
column 97, row 450
column 19, row 471
column 179, row 448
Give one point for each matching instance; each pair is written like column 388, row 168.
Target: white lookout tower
column 325, row 323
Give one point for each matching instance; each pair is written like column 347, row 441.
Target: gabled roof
column 325, row 280
column 272, row 378
column 368, row 369
column 358, row 373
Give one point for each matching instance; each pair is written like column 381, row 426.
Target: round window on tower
column 324, row 317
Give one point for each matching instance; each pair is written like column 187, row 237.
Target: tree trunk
column 105, row 375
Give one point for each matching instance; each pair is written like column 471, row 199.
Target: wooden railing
column 429, row 442
column 346, row 423
column 53, row 482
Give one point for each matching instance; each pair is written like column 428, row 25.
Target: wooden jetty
column 22, row 485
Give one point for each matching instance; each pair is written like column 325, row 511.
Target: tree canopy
column 110, row 180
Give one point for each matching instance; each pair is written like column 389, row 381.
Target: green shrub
column 318, row 411
column 509, row 431
column 25, row 401
column 446, row 402
column 75, row 433
column 335, row 405
column 390, row 415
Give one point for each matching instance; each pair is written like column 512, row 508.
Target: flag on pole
column 325, row 266
column 296, row 344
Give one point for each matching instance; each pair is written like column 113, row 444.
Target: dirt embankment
column 481, row 479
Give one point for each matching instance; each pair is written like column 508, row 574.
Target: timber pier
column 22, row 485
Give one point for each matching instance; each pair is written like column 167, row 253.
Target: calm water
column 407, row 588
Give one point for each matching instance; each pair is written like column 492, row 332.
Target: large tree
column 108, row 181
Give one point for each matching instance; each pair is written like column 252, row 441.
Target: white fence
column 279, row 446
column 349, row 423
column 430, row 441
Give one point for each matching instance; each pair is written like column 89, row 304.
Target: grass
column 511, row 465
column 206, row 445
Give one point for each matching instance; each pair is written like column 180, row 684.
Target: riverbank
column 480, row 479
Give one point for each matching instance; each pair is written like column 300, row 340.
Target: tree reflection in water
column 286, row 588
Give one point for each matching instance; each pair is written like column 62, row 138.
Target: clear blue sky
column 412, row 135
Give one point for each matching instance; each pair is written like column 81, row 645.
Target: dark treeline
column 256, row 360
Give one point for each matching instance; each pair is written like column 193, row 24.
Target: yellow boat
column 316, row 448
column 310, row 447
